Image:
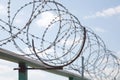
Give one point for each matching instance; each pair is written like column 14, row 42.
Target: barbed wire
column 99, row 62
column 49, row 33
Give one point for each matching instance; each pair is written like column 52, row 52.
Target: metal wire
column 59, row 41
column 99, row 62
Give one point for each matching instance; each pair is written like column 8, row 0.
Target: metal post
column 70, row 78
column 82, row 67
column 74, row 78
column 22, row 71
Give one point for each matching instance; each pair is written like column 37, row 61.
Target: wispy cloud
column 6, row 71
column 118, row 54
column 45, row 19
column 4, row 68
column 6, row 78
column 107, row 12
column 2, row 9
column 98, row 29
column 68, row 43
column 18, row 21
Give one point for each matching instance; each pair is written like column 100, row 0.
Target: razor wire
column 99, row 62
column 57, row 41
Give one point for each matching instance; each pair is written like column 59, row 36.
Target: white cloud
column 45, row 19
column 36, row 75
column 18, row 21
column 107, row 12
column 4, row 69
column 118, row 54
column 2, row 9
column 7, row 73
column 117, row 9
column 101, row 30
column 68, row 43
column 6, row 66
column 6, row 78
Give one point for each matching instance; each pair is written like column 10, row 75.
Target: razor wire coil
column 60, row 43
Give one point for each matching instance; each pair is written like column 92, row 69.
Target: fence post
column 70, row 78
column 22, row 71
column 73, row 78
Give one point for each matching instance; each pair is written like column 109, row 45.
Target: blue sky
column 103, row 16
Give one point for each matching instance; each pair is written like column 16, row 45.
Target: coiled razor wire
column 46, row 31
column 99, row 62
